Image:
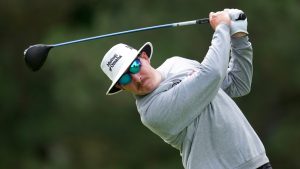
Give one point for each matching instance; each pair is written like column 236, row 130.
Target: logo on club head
column 112, row 62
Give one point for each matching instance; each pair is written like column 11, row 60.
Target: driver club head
column 36, row 55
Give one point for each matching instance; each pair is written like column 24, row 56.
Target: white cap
column 117, row 60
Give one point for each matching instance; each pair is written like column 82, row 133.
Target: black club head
column 36, row 55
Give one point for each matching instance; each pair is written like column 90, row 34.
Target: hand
column 238, row 28
column 219, row 17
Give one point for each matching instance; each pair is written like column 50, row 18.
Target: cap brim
column 148, row 48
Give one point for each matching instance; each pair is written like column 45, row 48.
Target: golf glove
column 237, row 26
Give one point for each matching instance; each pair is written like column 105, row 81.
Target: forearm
column 217, row 57
column 239, row 74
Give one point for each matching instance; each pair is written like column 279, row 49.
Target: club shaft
column 185, row 23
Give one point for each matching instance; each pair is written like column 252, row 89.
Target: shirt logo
column 176, row 82
column 112, row 62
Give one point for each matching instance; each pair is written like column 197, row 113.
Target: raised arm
column 239, row 74
column 168, row 112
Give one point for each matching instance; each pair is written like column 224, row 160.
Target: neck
column 158, row 78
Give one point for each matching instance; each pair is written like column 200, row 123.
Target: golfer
column 189, row 104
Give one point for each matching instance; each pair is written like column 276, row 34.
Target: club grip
column 202, row 21
column 242, row 16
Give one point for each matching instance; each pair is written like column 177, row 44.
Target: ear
column 145, row 56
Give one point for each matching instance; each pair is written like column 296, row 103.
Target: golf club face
column 36, row 55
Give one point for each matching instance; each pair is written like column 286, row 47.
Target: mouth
column 139, row 85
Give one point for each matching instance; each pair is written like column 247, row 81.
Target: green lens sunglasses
column 134, row 68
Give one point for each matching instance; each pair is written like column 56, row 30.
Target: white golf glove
column 237, row 27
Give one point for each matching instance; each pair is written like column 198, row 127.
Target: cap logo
column 112, row 62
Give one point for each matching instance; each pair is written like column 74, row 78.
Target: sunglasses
column 134, row 68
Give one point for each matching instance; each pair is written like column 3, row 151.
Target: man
column 188, row 104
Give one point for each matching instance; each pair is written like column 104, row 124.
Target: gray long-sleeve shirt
column 192, row 109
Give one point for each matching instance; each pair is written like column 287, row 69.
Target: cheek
column 145, row 70
column 131, row 87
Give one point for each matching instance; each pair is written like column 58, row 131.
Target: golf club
column 35, row 55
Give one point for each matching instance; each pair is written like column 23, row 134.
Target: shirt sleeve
column 169, row 112
column 239, row 73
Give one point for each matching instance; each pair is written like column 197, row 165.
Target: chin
column 145, row 90
column 148, row 90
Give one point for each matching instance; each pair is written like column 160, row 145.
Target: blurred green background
column 60, row 117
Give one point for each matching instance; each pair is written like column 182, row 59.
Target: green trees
column 60, row 117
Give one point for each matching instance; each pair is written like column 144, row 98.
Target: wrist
column 239, row 34
column 223, row 24
column 240, row 43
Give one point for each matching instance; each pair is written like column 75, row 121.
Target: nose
column 136, row 77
